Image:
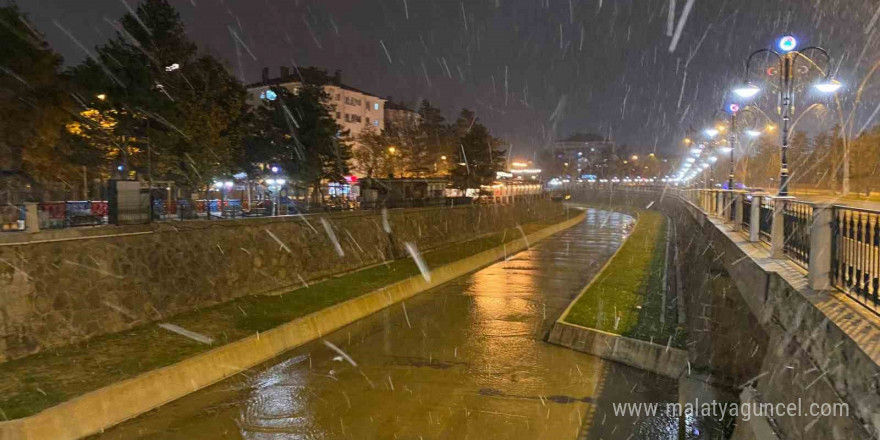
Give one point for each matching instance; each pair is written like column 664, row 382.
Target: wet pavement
column 465, row 360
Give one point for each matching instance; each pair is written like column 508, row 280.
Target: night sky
column 534, row 70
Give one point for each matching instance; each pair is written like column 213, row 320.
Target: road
column 465, row 360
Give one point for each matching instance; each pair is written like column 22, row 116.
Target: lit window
column 376, row 121
column 375, row 106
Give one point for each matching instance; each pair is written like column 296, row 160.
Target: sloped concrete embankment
column 663, row 360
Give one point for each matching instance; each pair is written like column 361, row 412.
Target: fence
column 747, row 209
column 855, row 265
column 797, row 217
column 765, row 219
column 847, row 249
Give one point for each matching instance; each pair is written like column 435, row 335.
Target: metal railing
column 855, row 264
column 765, row 220
column 847, row 247
column 797, row 218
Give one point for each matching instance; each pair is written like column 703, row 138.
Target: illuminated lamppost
column 732, row 113
column 787, row 57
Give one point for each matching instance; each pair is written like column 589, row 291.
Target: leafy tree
column 33, row 106
column 297, row 132
column 189, row 107
column 864, row 161
column 377, row 156
column 477, row 152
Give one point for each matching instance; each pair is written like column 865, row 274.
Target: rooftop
column 307, row 75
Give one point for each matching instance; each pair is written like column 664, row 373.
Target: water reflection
column 466, row 360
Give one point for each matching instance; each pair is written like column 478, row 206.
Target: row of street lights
column 786, row 69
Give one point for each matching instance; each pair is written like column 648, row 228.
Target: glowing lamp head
column 228, row 184
column 787, row 43
column 274, row 169
column 753, row 133
column 711, row 132
column 713, row 159
column 725, row 150
column 280, row 181
column 747, row 90
column 733, row 108
column 830, row 85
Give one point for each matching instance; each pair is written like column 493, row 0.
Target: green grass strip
column 43, row 380
column 626, row 298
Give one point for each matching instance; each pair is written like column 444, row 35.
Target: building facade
column 353, row 109
column 584, row 155
column 399, row 114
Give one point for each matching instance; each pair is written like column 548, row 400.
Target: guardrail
column 798, row 218
column 855, row 266
column 839, row 246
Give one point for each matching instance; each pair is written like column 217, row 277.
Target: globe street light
column 787, row 56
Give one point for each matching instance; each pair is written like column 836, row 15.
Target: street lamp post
column 787, row 58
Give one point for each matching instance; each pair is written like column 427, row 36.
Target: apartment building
column 353, row 109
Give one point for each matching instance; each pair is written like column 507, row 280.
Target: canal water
column 465, row 360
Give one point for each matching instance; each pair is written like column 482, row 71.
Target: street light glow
column 713, row 159
column 828, row 86
column 747, row 90
column 711, row 132
column 753, row 133
column 787, row 43
column 725, row 149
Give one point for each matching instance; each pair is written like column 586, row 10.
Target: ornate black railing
column 730, row 206
column 766, row 219
column 747, row 213
column 855, row 265
column 797, row 218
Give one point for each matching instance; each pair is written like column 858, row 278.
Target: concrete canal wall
column 103, row 408
column 754, row 325
column 665, row 361
column 61, row 287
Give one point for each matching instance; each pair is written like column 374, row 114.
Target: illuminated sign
column 787, row 43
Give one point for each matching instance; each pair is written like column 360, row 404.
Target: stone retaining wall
column 753, row 324
column 70, row 287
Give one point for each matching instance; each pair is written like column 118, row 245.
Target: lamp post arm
column 759, row 51
column 800, row 54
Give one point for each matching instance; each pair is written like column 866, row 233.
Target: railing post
column 737, row 211
column 819, row 266
column 755, row 220
column 719, row 203
column 777, row 230
column 31, row 217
